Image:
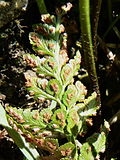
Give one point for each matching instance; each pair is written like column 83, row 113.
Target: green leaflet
column 42, row 70
column 51, row 145
column 3, row 117
column 70, row 96
column 53, row 105
column 47, row 66
column 70, row 69
column 39, row 44
column 50, row 64
column 29, row 152
column 84, row 127
column 90, row 106
column 66, row 149
column 98, row 140
column 40, row 64
column 46, row 30
column 74, row 123
column 81, row 90
column 46, row 115
column 67, row 73
column 59, row 120
column 86, row 152
column 74, row 93
column 33, row 119
column 54, row 87
column 26, row 117
column 40, row 93
column 94, row 145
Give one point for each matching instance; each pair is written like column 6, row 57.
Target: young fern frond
column 53, row 78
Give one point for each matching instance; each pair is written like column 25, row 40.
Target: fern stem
column 96, row 13
column 56, row 55
column 41, row 6
column 84, row 8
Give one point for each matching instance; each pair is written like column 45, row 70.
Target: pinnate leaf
column 70, row 96
column 26, row 117
column 59, row 119
column 69, row 70
column 98, row 140
column 66, row 149
column 54, row 87
column 73, row 121
column 90, row 106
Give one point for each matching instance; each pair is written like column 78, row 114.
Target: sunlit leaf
column 59, row 119
column 51, row 144
column 66, row 149
column 70, row 69
column 90, row 106
column 26, row 117
column 54, row 87
column 98, row 140
column 29, row 151
column 86, row 152
column 73, row 122
column 70, row 96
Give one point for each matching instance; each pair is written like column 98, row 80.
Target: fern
column 53, row 78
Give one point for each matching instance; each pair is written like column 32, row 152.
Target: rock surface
column 11, row 9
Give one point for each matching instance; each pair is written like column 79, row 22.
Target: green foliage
column 94, row 145
column 54, row 78
column 28, row 150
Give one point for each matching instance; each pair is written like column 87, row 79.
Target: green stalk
column 56, row 55
column 42, row 6
column 84, row 7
